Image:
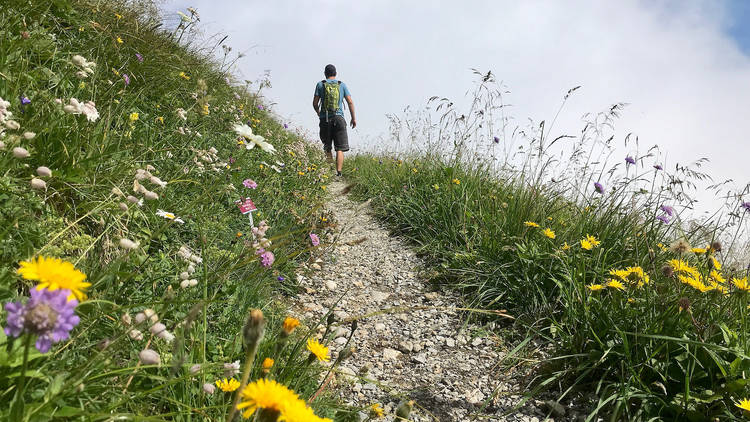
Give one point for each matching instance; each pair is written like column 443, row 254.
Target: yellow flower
column 323, row 187
column 239, row 234
column 698, row 251
column 414, row 170
column 436, row 186
column 589, row 242
column 289, row 325
column 82, row 85
column 118, row 16
column 743, row 404
column 317, row 349
column 741, row 284
column 133, row 117
column 716, row 263
column 53, row 274
column 621, row 274
column 681, row 266
column 228, row 385
column 160, row 119
column 717, row 277
column 115, row 72
column 594, row 287
column 184, row 76
column 301, row 173
column 376, row 410
column 530, row 224
column 267, row 364
column 456, row 181
column 204, row 110
column 549, row 233
column 269, row 395
column 119, row 40
column 662, row 247
column 615, row 285
column 565, row 246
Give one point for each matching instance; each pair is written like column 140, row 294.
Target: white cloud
column 687, row 82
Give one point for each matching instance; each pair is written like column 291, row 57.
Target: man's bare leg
column 339, row 161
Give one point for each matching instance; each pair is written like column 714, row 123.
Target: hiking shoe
column 338, row 174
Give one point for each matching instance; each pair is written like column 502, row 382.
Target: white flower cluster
column 6, row 117
column 208, row 158
column 86, row 67
column 76, row 107
column 148, row 316
column 142, row 175
column 187, row 131
column 192, row 259
column 259, row 236
column 247, row 133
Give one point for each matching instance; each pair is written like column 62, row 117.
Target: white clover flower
column 43, row 171
column 128, row 244
column 169, row 216
column 19, row 152
column 38, row 184
column 149, row 357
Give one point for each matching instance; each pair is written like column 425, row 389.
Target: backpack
column 331, row 94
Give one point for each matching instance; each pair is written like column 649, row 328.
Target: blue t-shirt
column 343, row 93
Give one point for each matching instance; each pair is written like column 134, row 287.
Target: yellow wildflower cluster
column 632, row 275
column 589, row 242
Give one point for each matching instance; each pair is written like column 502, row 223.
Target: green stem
column 249, row 358
column 27, row 347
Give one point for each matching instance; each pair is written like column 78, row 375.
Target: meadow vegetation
column 133, row 287
column 639, row 305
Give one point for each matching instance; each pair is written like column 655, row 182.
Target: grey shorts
column 333, row 132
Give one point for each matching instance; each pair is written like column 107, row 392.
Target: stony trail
column 428, row 353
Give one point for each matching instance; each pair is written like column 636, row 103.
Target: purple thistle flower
column 663, row 218
column 497, row 140
column 266, row 259
column 48, row 314
column 629, row 160
column 658, row 167
column 667, row 209
column 746, row 206
column 126, row 78
column 139, row 57
column 598, row 187
column 280, row 278
column 314, row 239
column 250, row 184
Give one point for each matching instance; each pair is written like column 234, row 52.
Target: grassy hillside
column 642, row 312
column 118, row 158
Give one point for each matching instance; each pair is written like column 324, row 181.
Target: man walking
column 327, row 102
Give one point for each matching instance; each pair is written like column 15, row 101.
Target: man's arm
column 316, row 104
column 351, row 110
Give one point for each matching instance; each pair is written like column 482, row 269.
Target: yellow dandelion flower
column 549, row 233
column 53, row 274
column 595, row 287
column 317, row 349
column 719, row 287
column 681, row 266
column 637, row 275
column 530, row 224
column 585, row 244
column 456, row 182
column 741, row 284
column 698, row 251
column 289, row 325
column 228, row 385
column 269, row 395
column 376, row 410
column 119, row 40
column 743, row 404
column 616, row 285
column 267, row 364
column 133, row 117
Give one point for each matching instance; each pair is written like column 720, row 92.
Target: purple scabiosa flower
column 280, row 278
column 667, row 209
column 497, row 140
column 48, row 314
column 663, row 218
column 598, row 187
column 139, row 57
column 314, row 239
column 629, row 160
column 260, row 107
column 658, row 167
column 266, row 259
column 126, row 78
column 250, row 184
column 746, row 206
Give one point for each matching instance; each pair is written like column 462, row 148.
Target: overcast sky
column 683, row 65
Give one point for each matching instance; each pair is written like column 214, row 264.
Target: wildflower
column 48, row 314
column 745, row 206
column 254, row 328
column 246, row 132
column 135, row 334
column 270, row 396
column 54, row 274
column 88, row 109
column 29, row 135
column 38, row 184
column 126, row 79
column 149, row 357
column 496, row 139
column 565, row 246
column 598, row 187
column 318, row 350
column 549, row 233
column 289, row 325
column 169, row 216
column 280, row 278
column 228, row 385
column 24, row 101
column 717, row 277
column 119, row 40
column 375, row 408
column 133, row 117
column 314, row 239
column 589, row 242
column 698, row 251
column 629, row 160
column 184, row 76
column 658, row 167
column 231, row 369
column 436, row 186
column 714, row 263
column 744, row 404
column 530, row 224
column 667, row 209
column 681, row 266
column 266, row 259
column 139, row 57
column 19, row 152
column 616, row 285
column 43, row 171
column 456, row 182
column 741, row 284
column 680, row 246
column 128, row 244
column 267, row 364
column 286, row 126
column 182, row 114
column 151, row 196
column 663, row 218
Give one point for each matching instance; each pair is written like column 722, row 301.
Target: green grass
column 78, row 216
column 659, row 350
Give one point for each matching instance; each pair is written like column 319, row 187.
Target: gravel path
column 427, row 354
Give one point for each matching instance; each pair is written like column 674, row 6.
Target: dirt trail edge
column 426, row 353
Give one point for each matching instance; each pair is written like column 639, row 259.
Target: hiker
column 327, row 102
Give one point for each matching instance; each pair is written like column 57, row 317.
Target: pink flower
column 266, row 259
column 314, row 239
column 249, row 183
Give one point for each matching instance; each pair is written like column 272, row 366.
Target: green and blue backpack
column 331, row 94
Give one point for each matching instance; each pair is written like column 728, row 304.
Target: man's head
column 330, row 70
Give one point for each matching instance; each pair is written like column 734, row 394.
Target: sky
column 683, row 66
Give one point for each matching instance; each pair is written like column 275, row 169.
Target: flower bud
column 195, row 369
column 209, row 388
column 151, row 196
column 157, row 328
column 12, row 125
column 151, row 315
column 29, row 135
column 19, row 152
column 38, row 184
column 403, row 410
column 149, row 357
column 125, row 318
column 135, row 334
column 288, row 326
column 43, row 171
column 123, row 206
column 128, row 244
column 267, row 365
column 254, row 327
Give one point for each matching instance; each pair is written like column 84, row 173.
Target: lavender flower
column 663, row 218
column 629, row 160
column 266, row 259
column 746, row 206
column 126, row 78
column 250, row 184
column 598, row 187
column 314, row 239
column 497, row 140
column 667, row 209
column 139, row 57
column 48, row 314
column 658, row 167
